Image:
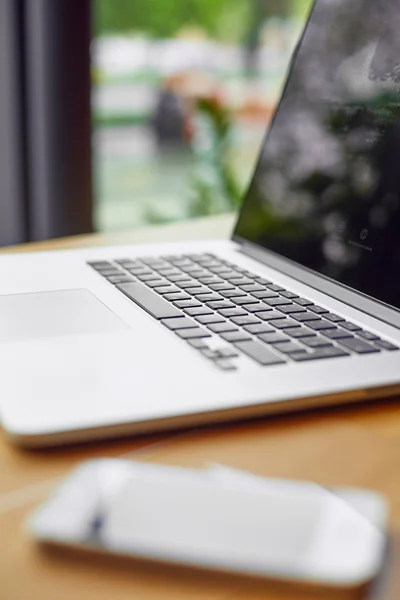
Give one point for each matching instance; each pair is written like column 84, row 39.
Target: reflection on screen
column 326, row 192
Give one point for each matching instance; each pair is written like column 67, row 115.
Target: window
column 182, row 91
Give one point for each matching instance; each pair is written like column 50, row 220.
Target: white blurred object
column 221, row 519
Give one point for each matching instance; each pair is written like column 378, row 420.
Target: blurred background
column 182, row 93
column 121, row 113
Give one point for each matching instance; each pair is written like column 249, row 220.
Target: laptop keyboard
column 202, row 296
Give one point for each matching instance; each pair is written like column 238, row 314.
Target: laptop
column 299, row 309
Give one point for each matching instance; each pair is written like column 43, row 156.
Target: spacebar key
column 259, row 352
column 151, row 302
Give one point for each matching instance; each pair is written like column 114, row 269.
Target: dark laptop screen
column 326, row 191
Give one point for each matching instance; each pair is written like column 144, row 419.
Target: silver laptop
column 299, row 309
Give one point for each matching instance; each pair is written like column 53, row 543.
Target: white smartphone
column 219, row 519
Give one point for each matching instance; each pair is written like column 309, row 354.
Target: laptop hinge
column 340, row 292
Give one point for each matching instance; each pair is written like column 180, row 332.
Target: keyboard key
column 227, row 352
column 168, row 271
column 320, row 353
column 187, row 283
column 228, row 275
column 284, row 323
column 198, row 343
column 209, row 261
column 305, row 317
column 119, row 279
column 246, row 320
column 99, row 265
column 273, row 338
column 192, row 268
column 333, row 318
column 176, row 278
column 208, row 280
column 277, row 301
column 350, row 326
column 187, row 303
column 178, row 323
column 318, row 310
column 291, row 309
column 211, row 354
column 146, row 276
column 239, row 280
column 221, row 327
column 142, row 271
column 176, row 296
column 219, row 287
column 303, row 302
column 257, row 329
column 264, row 294
column 252, row 287
column 319, row 325
column 219, row 269
column 235, row 336
column 289, row 295
column 151, row 302
column 199, row 257
column 262, row 281
column 275, row 288
column 157, row 283
column 122, row 261
column 155, row 263
column 315, row 342
column 207, row 319
column 130, row 264
column 198, row 311
column 299, row 332
column 196, row 332
column 232, row 312
column 219, row 305
column 197, row 291
column 336, row 334
column 179, row 261
column 243, row 300
column 109, row 272
column 255, row 307
column 199, row 273
column 225, row 365
column 259, row 352
column 358, row 346
column 386, row 345
column 167, row 289
column 210, row 297
column 289, row 348
column 234, row 293
column 367, row 335
column 271, row 315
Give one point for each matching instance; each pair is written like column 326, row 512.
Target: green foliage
column 300, row 8
column 163, row 18
column 214, row 185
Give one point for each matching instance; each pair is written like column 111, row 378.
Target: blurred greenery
column 214, row 184
column 164, row 18
column 227, row 20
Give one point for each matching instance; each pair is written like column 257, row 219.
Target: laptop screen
column 326, row 191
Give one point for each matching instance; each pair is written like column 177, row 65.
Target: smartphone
column 219, row 519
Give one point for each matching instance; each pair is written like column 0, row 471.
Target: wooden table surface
column 349, row 446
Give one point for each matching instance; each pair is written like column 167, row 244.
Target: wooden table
column 344, row 446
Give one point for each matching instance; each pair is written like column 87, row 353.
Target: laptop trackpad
column 53, row 314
